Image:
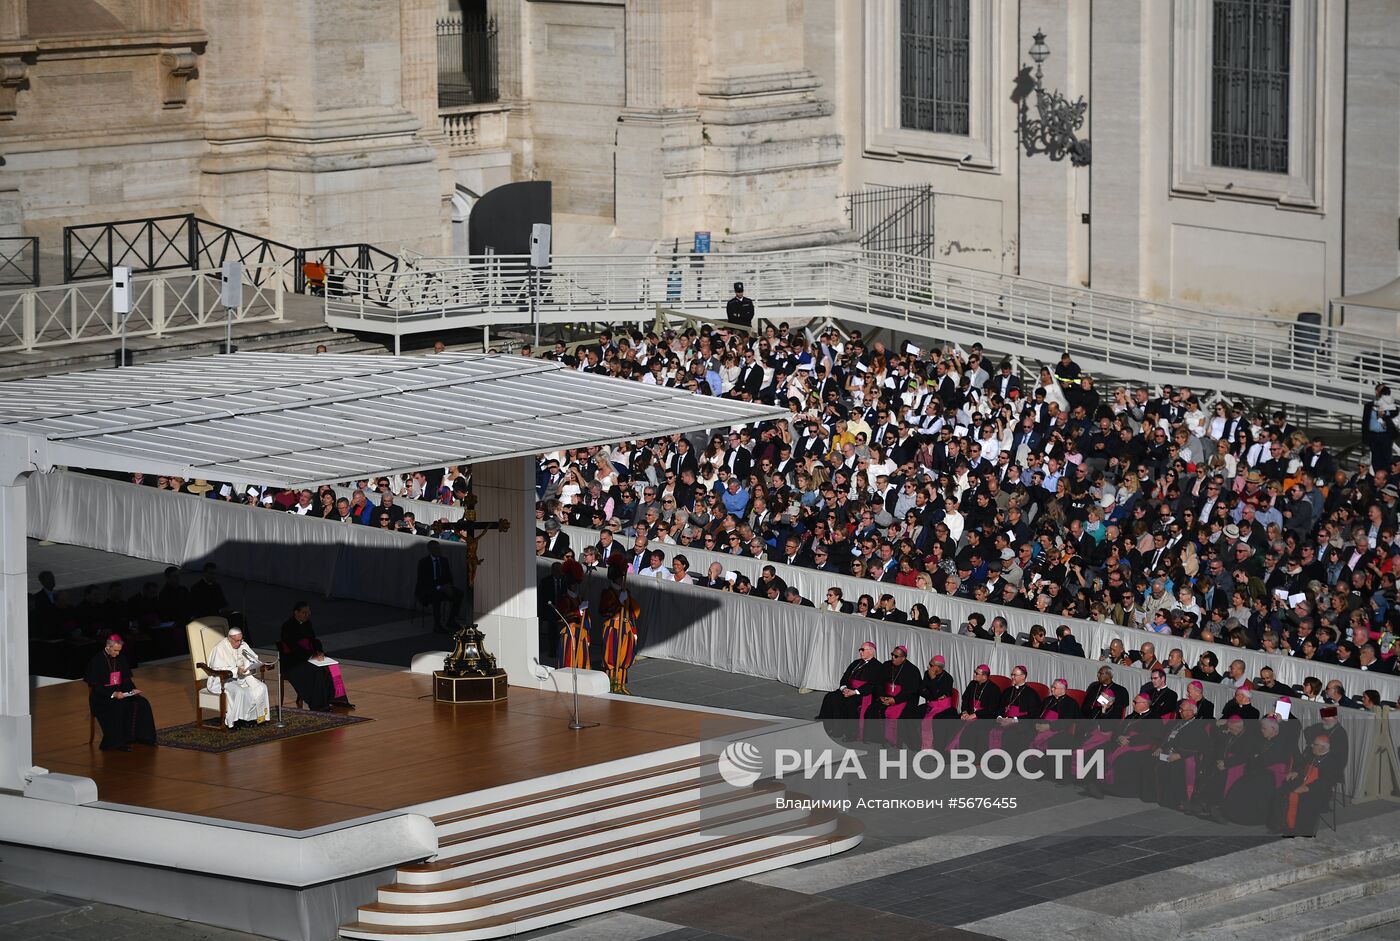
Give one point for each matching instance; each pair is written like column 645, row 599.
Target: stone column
column 418, row 60
column 1123, row 131
column 1371, row 202
column 770, row 171
column 512, row 81
column 659, row 130
column 328, row 152
column 505, row 583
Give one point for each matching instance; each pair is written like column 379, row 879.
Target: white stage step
column 565, row 853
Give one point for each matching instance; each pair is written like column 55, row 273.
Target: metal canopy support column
column 505, row 585
column 16, row 743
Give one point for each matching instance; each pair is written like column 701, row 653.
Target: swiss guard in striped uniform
column 619, row 610
column 573, row 637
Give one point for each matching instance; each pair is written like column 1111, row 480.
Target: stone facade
column 1146, row 219
column 318, row 121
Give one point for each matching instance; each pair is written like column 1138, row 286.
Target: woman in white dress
column 1053, row 392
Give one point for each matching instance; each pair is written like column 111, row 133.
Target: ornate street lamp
column 1051, row 132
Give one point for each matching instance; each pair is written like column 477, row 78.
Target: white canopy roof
column 1385, row 297
column 290, row 420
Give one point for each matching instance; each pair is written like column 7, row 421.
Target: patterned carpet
column 213, row 737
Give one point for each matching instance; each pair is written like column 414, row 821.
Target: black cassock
column 936, row 695
column 123, row 720
column 1123, row 764
column 1205, row 709
column 1173, row 783
column 1022, row 704
column 313, row 684
column 900, row 683
column 1233, row 751
column 1054, row 728
column 1161, row 701
column 1248, row 802
column 1117, row 710
column 982, row 701
column 862, row 676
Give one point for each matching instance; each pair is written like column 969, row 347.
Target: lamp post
column 1051, row 132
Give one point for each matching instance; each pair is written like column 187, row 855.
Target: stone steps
column 542, row 856
column 1334, row 896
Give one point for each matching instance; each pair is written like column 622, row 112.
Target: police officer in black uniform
column 739, row 310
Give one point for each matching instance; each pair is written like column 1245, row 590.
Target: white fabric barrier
column 424, row 511
column 1091, row 635
column 334, row 560
column 804, row 647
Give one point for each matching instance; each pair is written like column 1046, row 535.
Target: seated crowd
column 1234, row 765
column 942, row 470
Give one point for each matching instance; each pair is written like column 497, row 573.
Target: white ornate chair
column 204, row 635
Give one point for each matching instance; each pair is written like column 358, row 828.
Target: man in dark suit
column 750, row 376
column 683, row 458
column 738, row 458
column 43, row 607
column 1004, row 383
column 435, row 588
column 556, row 543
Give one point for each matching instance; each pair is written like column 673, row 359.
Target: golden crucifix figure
column 473, row 533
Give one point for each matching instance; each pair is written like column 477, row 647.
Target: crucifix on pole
column 474, row 530
column 469, row 673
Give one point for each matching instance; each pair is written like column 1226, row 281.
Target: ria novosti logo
column 740, row 764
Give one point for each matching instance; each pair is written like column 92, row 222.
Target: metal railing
column 1325, row 367
column 160, row 304
column 467, row 59
column 170, row 243
column 19, row 260
column 892, row 218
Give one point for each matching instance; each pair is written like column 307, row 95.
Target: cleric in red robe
column 119, row 707
column 1304, row 795
column 1196, row 692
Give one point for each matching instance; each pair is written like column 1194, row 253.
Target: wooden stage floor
column 415, row 750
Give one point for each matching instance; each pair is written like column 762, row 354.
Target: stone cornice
column 79, row 45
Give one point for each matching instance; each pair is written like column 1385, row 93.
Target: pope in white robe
column 246, row 694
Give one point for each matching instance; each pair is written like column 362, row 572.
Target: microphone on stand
column 574, row 722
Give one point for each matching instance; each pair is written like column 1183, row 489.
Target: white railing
column 160, row 304
column 1320, row 366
